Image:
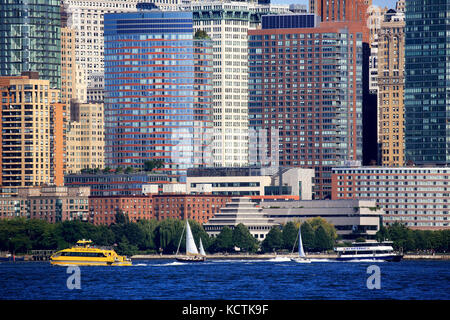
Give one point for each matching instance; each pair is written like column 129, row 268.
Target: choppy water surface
column 275, row 279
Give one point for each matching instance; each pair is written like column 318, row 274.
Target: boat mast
column 181, row 237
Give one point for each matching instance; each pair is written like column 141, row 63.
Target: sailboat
column 301, row 254
column 192, row 254
column 201, row 249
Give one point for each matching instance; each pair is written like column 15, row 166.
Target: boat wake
column 175, row 263
column 322, row 260
column 364, row 260
column 280, row 259
column 237, row 260
column 140, row 265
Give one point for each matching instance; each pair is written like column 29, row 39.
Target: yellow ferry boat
column 84, row 254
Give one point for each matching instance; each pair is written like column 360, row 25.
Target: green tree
column 289, row 235
column 328, row 227
column 20, row 243
column 119, row 169
column 308, row 236
column 126, row 248
column 224, row 240
column 273, row 240
column 148, row 228
column 322, row 240
column 168, row 235
column 129, row 170
column 243, row 239
column 107, row 170
column 149, row 165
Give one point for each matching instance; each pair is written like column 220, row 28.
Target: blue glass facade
column 427, row 82
column 158, row 90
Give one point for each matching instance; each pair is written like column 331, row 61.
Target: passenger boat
column 368, row 251
column 84, row 254
column 192, row 254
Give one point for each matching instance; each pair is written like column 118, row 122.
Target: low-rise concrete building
column 351, row 218
column 252, row 181
column 240, row 210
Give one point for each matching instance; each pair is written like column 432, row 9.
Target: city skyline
column 221, row 85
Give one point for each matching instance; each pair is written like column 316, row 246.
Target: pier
column 40, row 255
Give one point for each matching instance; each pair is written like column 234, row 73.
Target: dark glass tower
column 427, row 82
column 30, row 38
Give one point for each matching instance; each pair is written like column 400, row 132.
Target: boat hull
column 389, row 258
column 190, row 259
column 90, row 263
column 301, row 260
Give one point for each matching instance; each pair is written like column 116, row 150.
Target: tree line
column 409, row 240
column 317, row 235
column 21, row 235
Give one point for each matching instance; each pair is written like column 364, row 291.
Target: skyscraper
column 391, row 63
column 305, row 81
column 30, row 39
column 227, row 24
column 427, row 72
column 33, row 124
column 158, row 89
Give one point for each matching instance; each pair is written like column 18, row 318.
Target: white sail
column 190, row 243
column 202, row 251
column 301, row 253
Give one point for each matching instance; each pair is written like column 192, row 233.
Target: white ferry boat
column 368, row 251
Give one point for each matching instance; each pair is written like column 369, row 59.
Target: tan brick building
column 391, row 41
column 33, row 124
column 85, row 137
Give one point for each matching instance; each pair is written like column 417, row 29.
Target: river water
column 228, row 280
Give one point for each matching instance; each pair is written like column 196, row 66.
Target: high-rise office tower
column 427, row 72
column 306, row 82
column 30, row 39
column 158, row 91
column 391, row 63
column 227, row 23
column 33, row 124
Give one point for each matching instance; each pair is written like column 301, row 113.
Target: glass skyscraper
column 427, row 82
column 158, row 91
column 30, row 38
